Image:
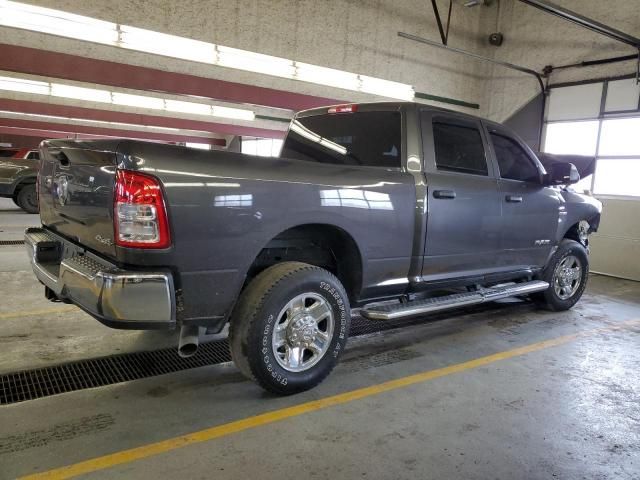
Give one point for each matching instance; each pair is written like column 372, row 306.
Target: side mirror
column 562, row 174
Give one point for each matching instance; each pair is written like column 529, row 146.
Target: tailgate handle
column 61, row 157
column 444, row 194
column 513, row 199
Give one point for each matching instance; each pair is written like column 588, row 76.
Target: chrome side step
column 420, row 307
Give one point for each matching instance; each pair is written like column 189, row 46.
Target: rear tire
column 567, row 273
column 27, row 198
column 290, row 327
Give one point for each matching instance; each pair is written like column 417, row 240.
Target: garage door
column 603, row 119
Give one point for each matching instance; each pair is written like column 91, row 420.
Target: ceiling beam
column 34, row 61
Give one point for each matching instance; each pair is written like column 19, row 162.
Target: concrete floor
column 570, row 411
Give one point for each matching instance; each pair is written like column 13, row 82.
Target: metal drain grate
column 99, row 372
column 11, row 242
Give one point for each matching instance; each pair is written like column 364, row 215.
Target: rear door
column 464, row 208
column 530, row 210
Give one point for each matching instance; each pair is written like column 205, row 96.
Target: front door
column 530, row 210
column 464, row 208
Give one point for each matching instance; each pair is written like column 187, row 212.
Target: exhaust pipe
column 189, row 339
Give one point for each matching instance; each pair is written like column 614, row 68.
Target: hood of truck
column 584, row 164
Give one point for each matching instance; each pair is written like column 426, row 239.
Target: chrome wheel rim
column 303, row 332
column 32, row 199
column 567, row 277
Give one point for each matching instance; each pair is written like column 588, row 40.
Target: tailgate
column 76, row 191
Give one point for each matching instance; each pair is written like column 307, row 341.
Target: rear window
column 370, row 139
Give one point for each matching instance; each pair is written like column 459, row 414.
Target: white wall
column 615, row 249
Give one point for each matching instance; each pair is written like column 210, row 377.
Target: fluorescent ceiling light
column 14, row 84
column 254, row 62
column 168, row 45
column 80, row 93
column 140, row 101
column 386, row 88
column 57, row 22
column 327, row 76
column 105, row 123
column 237, row 113
column 188, row 107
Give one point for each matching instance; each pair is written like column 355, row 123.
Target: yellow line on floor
column 145, row 451
column 34, row 313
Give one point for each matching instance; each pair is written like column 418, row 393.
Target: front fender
column 575, row 208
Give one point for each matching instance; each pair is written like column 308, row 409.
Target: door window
column 513, row 161
column 458, row 147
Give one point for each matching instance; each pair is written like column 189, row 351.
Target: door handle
column 450, row 194
column 513, row 199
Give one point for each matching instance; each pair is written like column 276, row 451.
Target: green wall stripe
column 451, row 101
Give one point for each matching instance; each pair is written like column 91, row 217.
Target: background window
column 620, row 137
column 572, row 138
column 360, row 138
column 617, row 176
column 513, row 161
column 459, row 148
column 262, row 147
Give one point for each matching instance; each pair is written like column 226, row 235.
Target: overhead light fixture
column 24, row 86
column 139, row 101
column 386, row 88
column 56, row 22
column 254, row 62
column 61, row 90
column 188, row 107
column 80, row 93
column 327, row 76
column 167, row 45
column 104, row 123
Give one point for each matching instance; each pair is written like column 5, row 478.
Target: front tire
column 27, row 198
column 567, row 273
column 290, row 327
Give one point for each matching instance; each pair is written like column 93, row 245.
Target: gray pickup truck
column 18, row 172
column 380, row 207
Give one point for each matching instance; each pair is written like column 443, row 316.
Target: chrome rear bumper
column 116, row 297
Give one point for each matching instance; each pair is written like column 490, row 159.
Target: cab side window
column 33, row 156
column 513, row 161
column 458, row 147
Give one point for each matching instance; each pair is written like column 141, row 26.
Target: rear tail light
column 140, row 216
